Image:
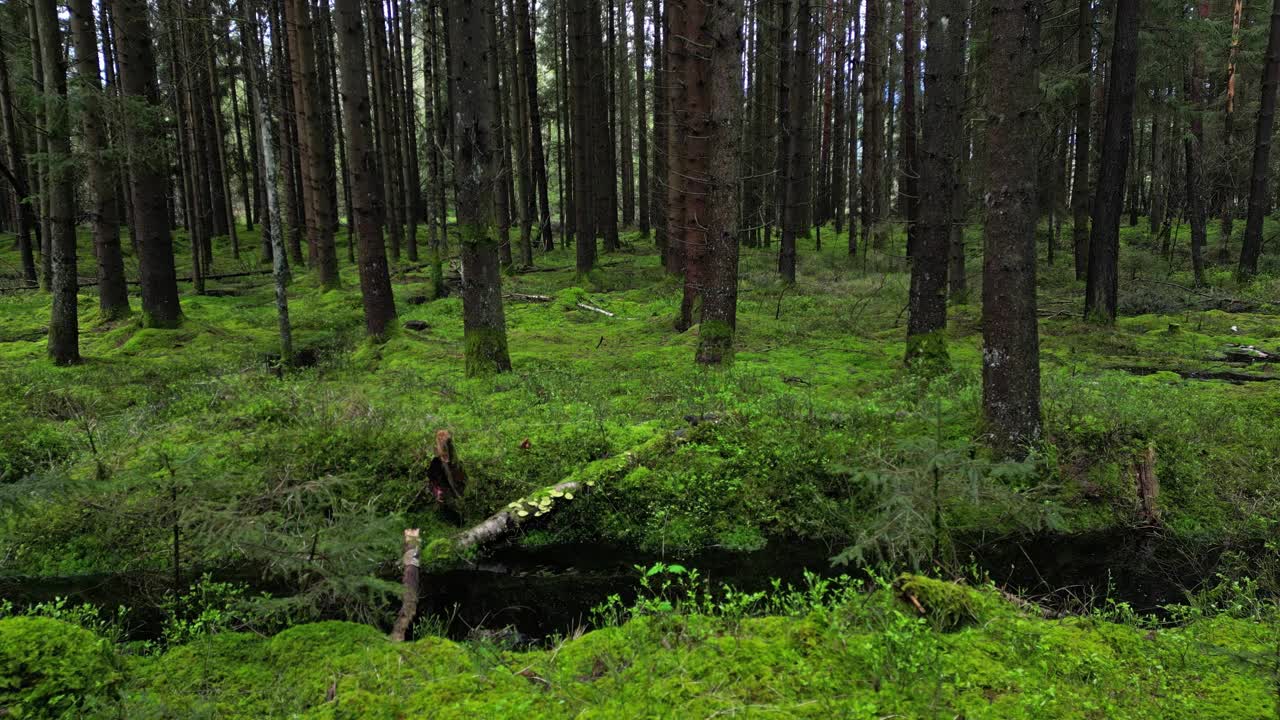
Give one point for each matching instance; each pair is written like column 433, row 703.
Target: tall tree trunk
column 1102, row 284
column 939, row 182
column 476, row 179
column 720, row 291
column 64, row 326
column 689, row 27
column 604, row 160
column 855, row 89
column 661, row 120
column 1258, row 179
column 366, row 180
column 113, row 296
column 583, row 202
column 1010, row 336
column 799, row 149
column 872, row 122
column 258, row 86
column 414, row 212
column 1081, row 193
column 316, row 172
column 910, row 175
column 17, row 161
column 537, row 153
column 623, row 73
column 642, row 130
column 1227, row 172
column 160, row 306
column 40, row 160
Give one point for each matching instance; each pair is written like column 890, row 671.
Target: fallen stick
column 409, row 595
column 528, row 298
column 593, row 308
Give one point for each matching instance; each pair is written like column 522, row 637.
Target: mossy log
column 550, row 498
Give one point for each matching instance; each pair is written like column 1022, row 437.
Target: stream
column 527, row 595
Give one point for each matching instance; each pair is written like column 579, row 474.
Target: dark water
column 534, row 594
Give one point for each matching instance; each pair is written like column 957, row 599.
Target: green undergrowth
column 914, row 647
column 815, row 430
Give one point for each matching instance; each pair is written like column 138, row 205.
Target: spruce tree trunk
column 872, row 122
column 414, row 212
column 583, row 180
column 642, row 121
column 159, row 285
column 1081, row 193
column 113, row 296
column 799, row 143
column 604, row 159
column 723, row 35
column 1010, row 335
column 316, row 172
column 910, row 175
column 537, row 153
column 1102, row 284
column 939, row 182
column 689, row 28
column 855, row 90
column 366, row 180
column 64, row 326
column 1258, row 179
column 622, row 68
column 258, row 86
column 476, row 179
column 17, row 161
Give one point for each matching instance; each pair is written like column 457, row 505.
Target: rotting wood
column 409, row 594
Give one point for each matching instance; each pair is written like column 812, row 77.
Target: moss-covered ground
column 816, row 430
column 915, row 648
column 821, row 431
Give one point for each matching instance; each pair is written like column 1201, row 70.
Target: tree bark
column 583, row 202
column 64, row 326
column 1011, row 344
column 720, row 291
column 160, row 306
column 22, row 191
column 642, row 130
column 1081, row 193
column 366, row 179
column 799, row 143
column 537, row 153
column 910, row 175
column 279, row 261
column 476, row 179
column 1259, row 177
column 1102, row 283
column 939, row 182
column 113, row 296
column 317, row 174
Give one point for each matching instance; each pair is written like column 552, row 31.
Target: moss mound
column 52, row 669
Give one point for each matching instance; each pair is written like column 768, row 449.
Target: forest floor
column 820, row 433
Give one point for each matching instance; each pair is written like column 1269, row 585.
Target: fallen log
column 593, row 308
column 546, row 500
column 528, row 298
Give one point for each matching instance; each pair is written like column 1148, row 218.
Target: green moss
column 52, row 669
column 927, row 352
column 486, row 352
column 852, row 655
